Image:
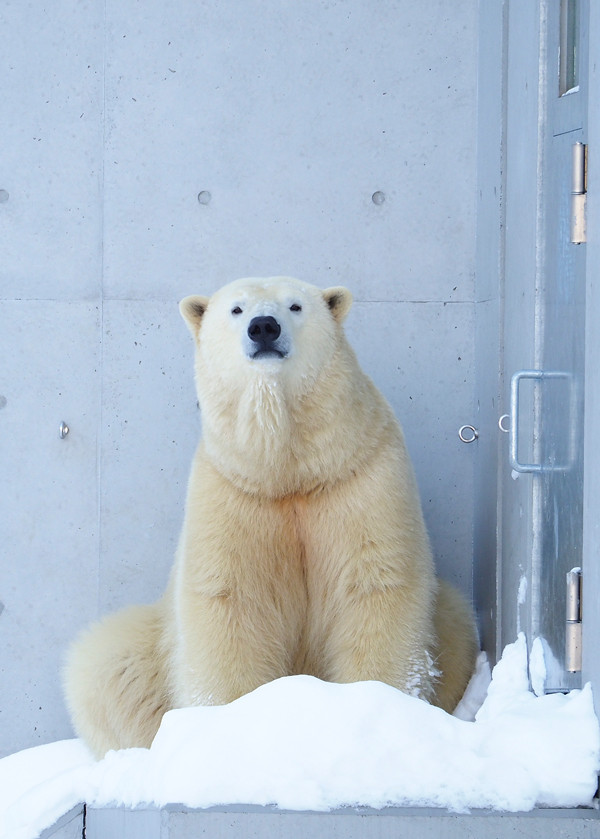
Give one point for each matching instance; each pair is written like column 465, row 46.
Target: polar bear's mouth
column 270, row 353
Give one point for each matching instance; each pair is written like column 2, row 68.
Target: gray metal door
column 544, row 324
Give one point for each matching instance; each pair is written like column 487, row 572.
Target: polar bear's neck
column 270, row 440
column 263, row 414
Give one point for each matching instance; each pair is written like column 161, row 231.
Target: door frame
column 591, row 481
column 511, row 127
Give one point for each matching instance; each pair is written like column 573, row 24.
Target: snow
column 476, row 691
column 303, row 744
column 522, row 593
column 537, row 667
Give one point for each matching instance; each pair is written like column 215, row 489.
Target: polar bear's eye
column 236, row 310
column 295, row 307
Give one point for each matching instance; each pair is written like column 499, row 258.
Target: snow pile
column 301, row 744
column 39, row 785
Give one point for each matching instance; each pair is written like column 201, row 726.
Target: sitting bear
column 303, row 548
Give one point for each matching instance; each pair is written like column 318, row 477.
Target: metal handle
column 537, row 375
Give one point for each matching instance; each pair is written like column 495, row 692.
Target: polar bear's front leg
column 239, row 598
column 382, row 636
column 371, row 580
column 227, row 646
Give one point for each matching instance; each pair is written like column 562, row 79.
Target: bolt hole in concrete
column 3, row 196
column 378, row 198
column 204, row 197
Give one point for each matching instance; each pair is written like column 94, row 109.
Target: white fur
column 303, row 547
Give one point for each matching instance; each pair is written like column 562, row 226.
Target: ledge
column 235, row 822
column 69, row 826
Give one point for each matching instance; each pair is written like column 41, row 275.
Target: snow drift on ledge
column 304, row 744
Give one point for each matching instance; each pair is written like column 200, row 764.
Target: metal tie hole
column 468, row 433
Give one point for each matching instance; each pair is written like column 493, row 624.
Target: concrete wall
column 288, row 118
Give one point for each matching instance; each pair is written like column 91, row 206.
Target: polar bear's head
column 275, row 329
column 285, row 406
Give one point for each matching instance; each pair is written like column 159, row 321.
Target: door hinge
column 579, row 194
column 574, row 626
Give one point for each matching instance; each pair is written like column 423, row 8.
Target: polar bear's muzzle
column 265, row 338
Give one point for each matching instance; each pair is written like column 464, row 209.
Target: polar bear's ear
column 192, row 310
column 339, row 300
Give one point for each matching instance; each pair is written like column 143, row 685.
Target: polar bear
column 303, row 548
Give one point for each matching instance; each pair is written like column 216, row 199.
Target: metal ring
column 63, row 430
column 501, row 423
column 471, row 437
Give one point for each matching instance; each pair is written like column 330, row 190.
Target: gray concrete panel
column 292, row 116
column 150, row 429
column 52, row 158
column 174, row 822
column 48, row 508
column 421, row 357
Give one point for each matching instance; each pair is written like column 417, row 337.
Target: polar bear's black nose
column 264, row 330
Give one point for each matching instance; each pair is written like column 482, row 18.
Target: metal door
column 544, row 325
